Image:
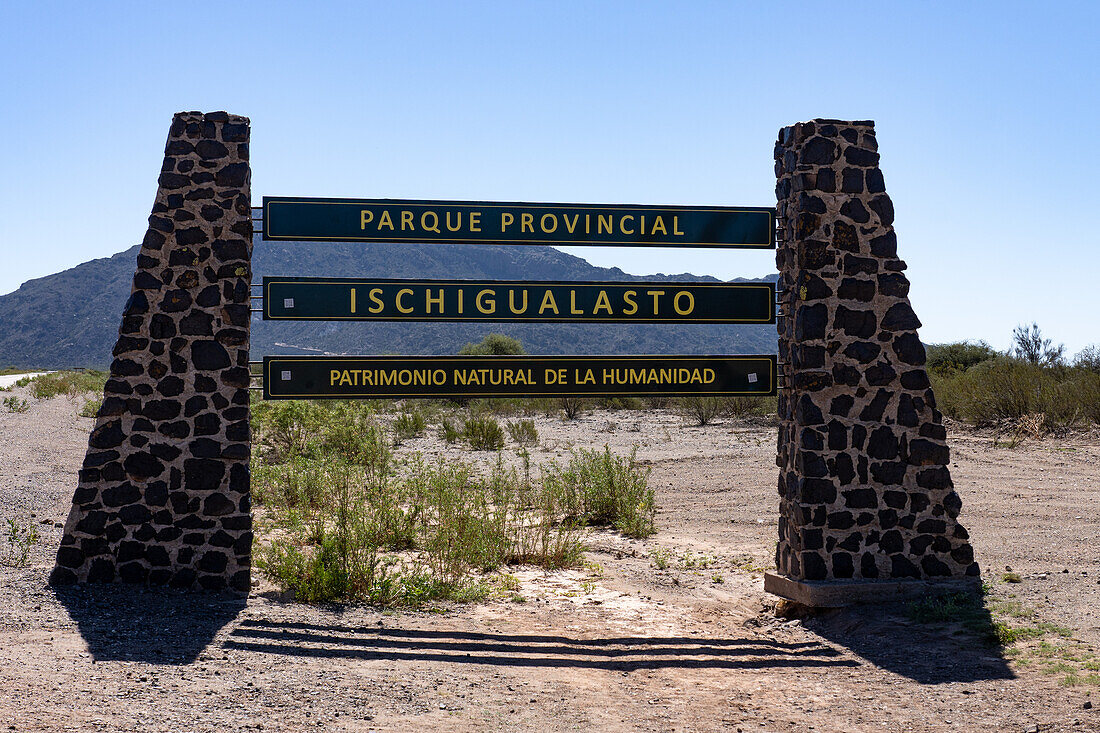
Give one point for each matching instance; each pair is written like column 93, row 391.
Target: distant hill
column 71, row 318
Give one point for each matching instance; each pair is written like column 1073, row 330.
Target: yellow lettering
column 353, row 300
column 506, row 220
column 690, row 305
column 573, row 303
column 458, row 224
column 602, row 302
column 461, row 292
column 527, row 222
column 397, row 300
column 475, row 221
column 676, row 226
column 628, row 298
column 378, row 306
column 622, row 224
column 345, row 378
column 366, row 216
column 486, row 305
column 429, row 300
column 512, row 301
column 602, row 221
column 385, row 220
column 335, row 374
column 548, row 302
column 570, row 227
column 542, row 223
column 407, row 218
column 656, row 294
column 435, row 222
column 659, row 224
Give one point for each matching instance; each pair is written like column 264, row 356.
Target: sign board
column 351, row 299
column 487, row 222
column 356, row 377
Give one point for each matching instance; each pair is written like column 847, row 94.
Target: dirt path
column 632, row 645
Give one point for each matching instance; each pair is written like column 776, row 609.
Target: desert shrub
column 409, row 424
column 620, row 403
column 523, row 432
column 408, row 536
column 571, row 406
column 19, row 538
column 1005, row 391
column 15, row 404
column 282, row 429
column 600, row 488
column 347, row 429
column 1028, row 345
column 657, row 402
column 91, row 408
column 1088, row 359
column 958, row 356
column 749, row 405
column 483, row 432
column 493, row 344
column 71, row 383
column 448, row 432
column 702, row 409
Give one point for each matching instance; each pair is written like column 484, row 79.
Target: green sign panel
column 357, row 377
column 350, row 299
column 487, row 222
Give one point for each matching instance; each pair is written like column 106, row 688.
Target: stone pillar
column 865, row 491
column 163, row 495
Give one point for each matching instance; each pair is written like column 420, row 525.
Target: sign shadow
column 153, row 625
column 928, row 653
column 621, row 654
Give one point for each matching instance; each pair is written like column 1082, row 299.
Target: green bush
column 523, row 432
column 19, row 538
column 494, row 344
column 599, row 488
column 91, row 408
column 958, row 356
column 747, row 406
column 409, row 424
column 702, row 409
column 483, row 432
column 71, row 383
column 571, row 406
column 1006, row 390
column 343, row 527
column 15, row 404
column 448, row 432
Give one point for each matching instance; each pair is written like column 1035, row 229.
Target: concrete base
column 839, row 593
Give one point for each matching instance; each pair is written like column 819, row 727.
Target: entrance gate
column 867, row 508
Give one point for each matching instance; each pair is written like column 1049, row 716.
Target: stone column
column 163, row 495
column 865, row 491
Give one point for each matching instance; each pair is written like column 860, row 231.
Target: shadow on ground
column 928, row 653
column 135, row 624
column 522, row 650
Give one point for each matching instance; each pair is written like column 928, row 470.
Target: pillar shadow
column 525, row 650
column 929, row 653
column 154, row 625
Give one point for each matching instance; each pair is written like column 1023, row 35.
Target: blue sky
column 987, row 120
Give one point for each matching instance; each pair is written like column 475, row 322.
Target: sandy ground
column 630, row 648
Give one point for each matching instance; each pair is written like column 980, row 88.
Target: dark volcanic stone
column 209, row 355
column 900, row 317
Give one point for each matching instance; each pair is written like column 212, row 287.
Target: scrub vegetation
column 1031, row 390
column 343, row 517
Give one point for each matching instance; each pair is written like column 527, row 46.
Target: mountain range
column 71, row 318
